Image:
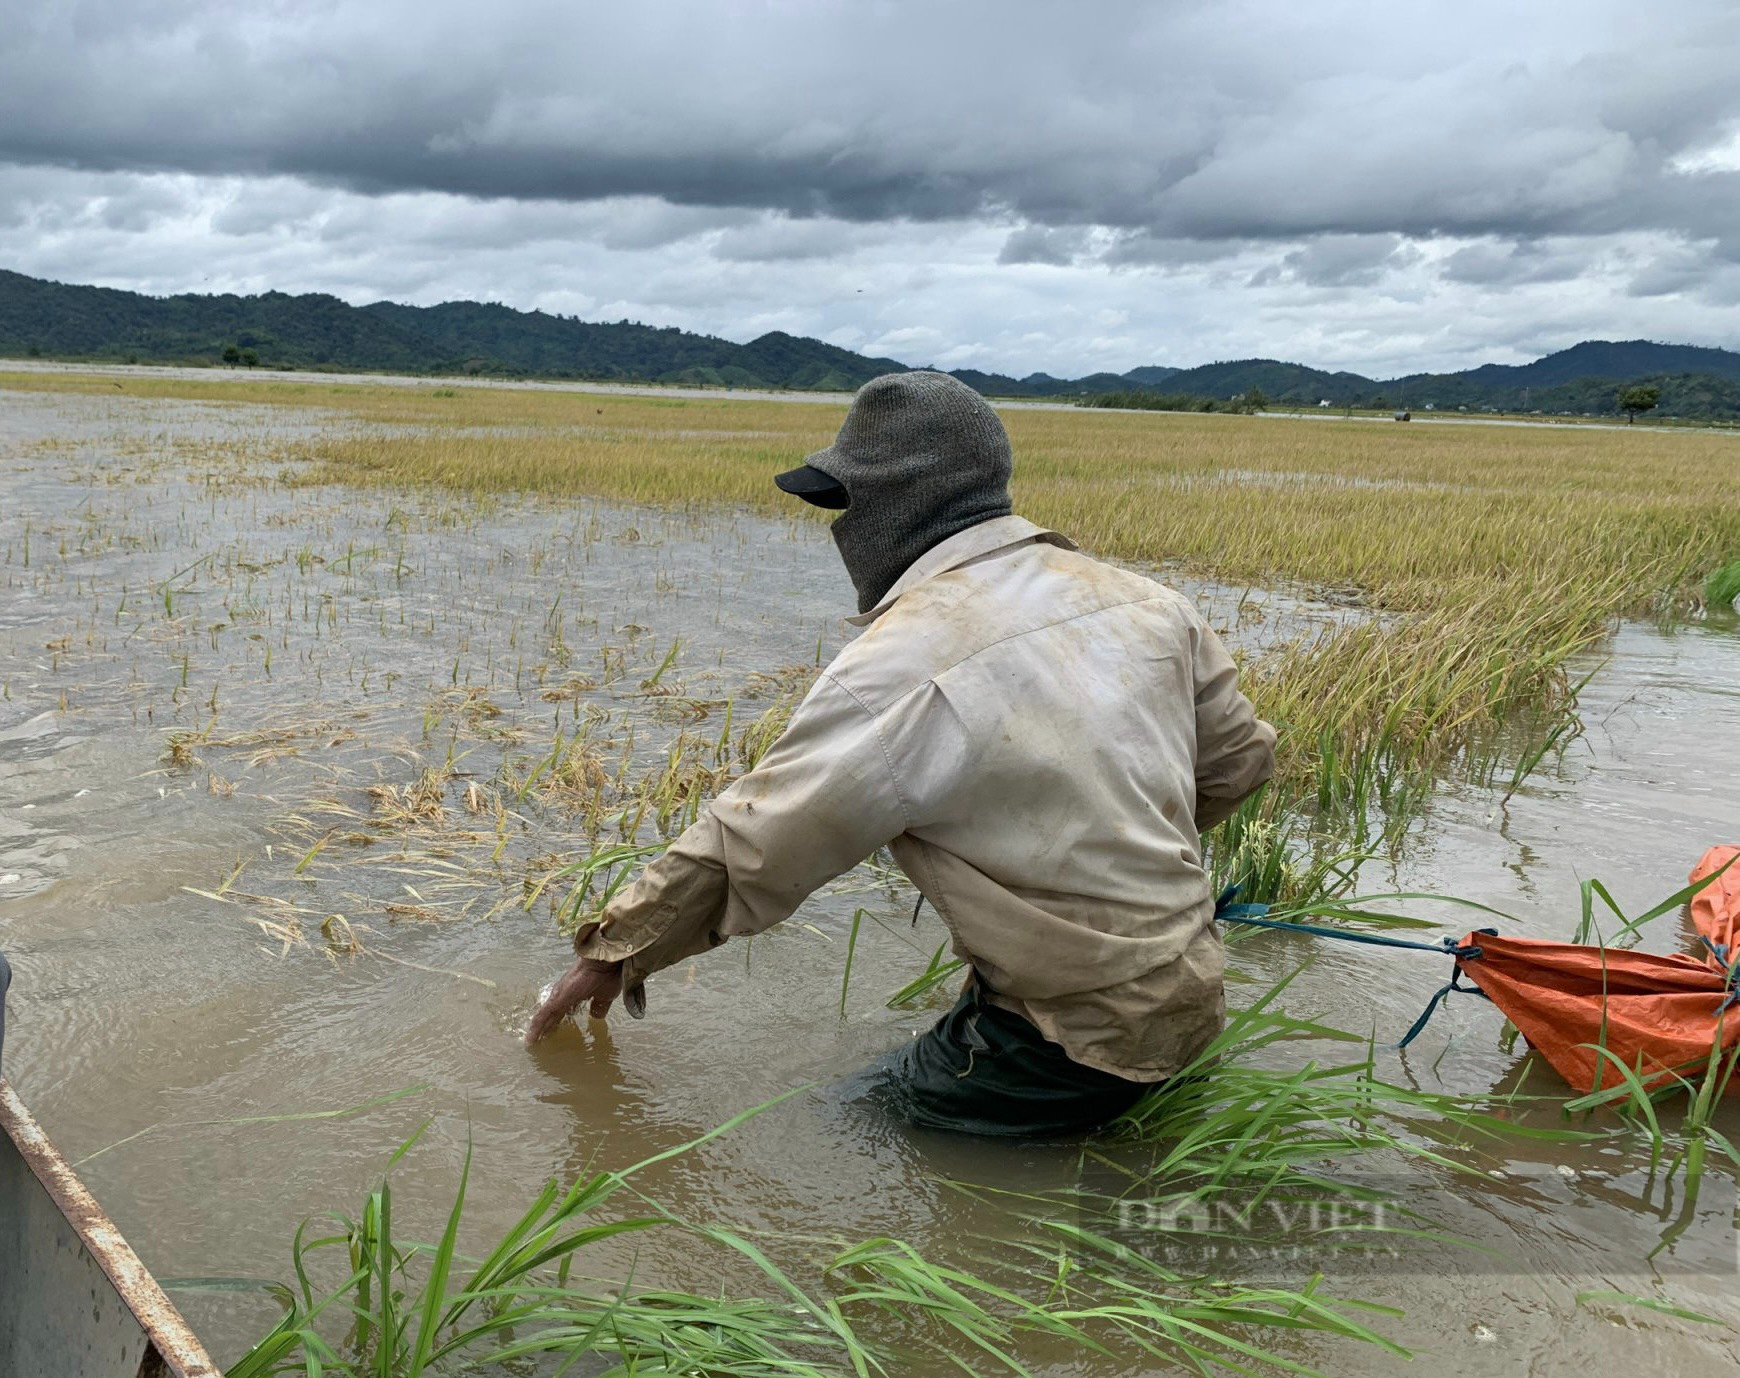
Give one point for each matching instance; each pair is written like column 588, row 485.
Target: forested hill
column 461, row 335
column 1694, row 382
column 275, row 330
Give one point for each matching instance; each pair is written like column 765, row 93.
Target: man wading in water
column 1038, row 737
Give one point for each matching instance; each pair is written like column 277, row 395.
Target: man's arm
column 821, row 800
column 1235, row 749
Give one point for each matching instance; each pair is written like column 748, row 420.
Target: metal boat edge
column 75, row 1301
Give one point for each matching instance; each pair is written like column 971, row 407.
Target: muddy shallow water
column 303, row 645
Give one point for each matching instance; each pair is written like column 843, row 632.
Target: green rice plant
column 597, row 879
column 1566, row 729
column 1253, row 851
column 1229, row 1116
column 851, row 951
column 1722, row 588
column 1273, row 854
column 652, row 682
column 758, row 736
column 555, row 755
column 399, row 1308
column 1236, row 1138
column 575, row 773
column 1372, row 714
column 1659, row 1305
column 403, row 1309
column 937, row 972
column 677, row 793
column 1227, row 1128
column 1636, row 1095
column 1675, row 1151
column 1232, row 1130
column 1191, row 1322
column 1358, row 910
column 1076, row 1290
column 890, row 1276
column 1592, row 889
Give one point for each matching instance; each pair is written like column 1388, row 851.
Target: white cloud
column 1720, row 155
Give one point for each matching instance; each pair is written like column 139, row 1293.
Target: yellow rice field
column 1494, row 553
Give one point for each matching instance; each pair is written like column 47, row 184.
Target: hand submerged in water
column 599, row 982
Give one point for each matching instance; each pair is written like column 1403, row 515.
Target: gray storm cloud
column 1014, row 185
column 1188, row 120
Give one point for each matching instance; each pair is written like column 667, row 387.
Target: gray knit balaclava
column 921, row 456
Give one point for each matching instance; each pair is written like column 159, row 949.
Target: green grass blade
column 435, row 1288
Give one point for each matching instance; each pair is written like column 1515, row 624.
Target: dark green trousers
column 986, row 1070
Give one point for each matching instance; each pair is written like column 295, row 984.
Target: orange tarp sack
column 1658, row 1015
column 1716, row 908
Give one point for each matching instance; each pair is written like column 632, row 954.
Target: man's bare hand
column 599, row 982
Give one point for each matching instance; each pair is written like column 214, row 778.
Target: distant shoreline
column 345, row 378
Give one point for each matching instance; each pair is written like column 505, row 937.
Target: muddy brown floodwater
column 216, row 682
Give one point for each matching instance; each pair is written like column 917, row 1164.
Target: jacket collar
column 964, row 547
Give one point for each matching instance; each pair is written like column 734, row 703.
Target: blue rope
column 1426, row 1014
column 1731, row 972
column 1443, row 947
column 1227, row 910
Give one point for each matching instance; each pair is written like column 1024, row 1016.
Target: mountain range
column 274, row 329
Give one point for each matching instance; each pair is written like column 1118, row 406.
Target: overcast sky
column 1064, row 186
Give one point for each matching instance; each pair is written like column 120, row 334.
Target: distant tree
column 1640, row 398
column 250, row 357
column 1144, row 400
column 232, row 355
column 1254, row 400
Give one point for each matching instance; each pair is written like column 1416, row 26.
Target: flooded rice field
column 288, row 773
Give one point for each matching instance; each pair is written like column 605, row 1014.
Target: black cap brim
column 814, row 487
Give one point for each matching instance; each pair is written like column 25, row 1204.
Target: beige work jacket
column 1038, row 737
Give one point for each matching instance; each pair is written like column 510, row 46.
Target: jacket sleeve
column 1235, row 749
column 821, row 800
